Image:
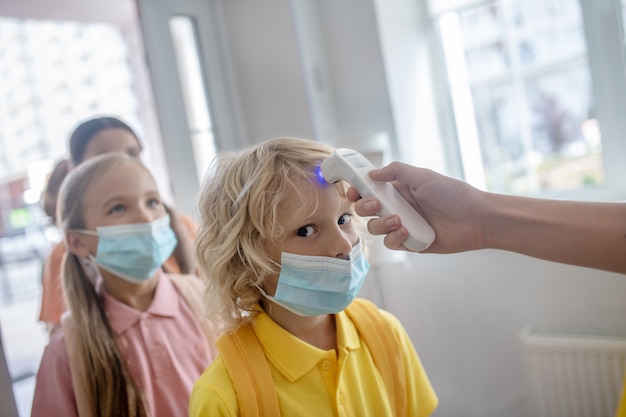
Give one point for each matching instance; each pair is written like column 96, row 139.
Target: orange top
column 52, row 303
column 52, row 300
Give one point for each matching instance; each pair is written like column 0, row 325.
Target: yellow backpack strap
column 621, row 406
column 384, row 347
column 251, row 376
column 190, row 288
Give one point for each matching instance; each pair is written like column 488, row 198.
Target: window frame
column 606, row 55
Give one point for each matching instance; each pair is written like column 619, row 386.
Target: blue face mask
column 134, row 252
column 316, row 285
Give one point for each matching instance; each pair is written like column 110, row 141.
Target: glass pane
column 530, row 125
column 192, row 83
column 52, row 74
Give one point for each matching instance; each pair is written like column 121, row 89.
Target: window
column 523, row 82
column 53, row 74
column 194, row 92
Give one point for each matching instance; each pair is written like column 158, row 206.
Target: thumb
column 393, row 171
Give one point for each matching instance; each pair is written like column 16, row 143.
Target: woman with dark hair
column 49, row 195
column 90, row 138
column 103, row 135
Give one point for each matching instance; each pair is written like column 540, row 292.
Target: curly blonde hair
column 238, row 206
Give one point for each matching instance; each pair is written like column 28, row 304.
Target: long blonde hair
column 238, row 208
column 110, row 389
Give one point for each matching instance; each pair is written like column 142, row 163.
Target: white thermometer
column 349, row 165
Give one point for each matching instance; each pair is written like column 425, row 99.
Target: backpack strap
column 190, row 287
column 621, row 406
column 250, row 373
column 252, row 379
column 383, row 345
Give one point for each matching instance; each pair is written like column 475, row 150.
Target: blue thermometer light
column 352, row 167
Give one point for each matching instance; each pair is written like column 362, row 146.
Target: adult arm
column 465, row 218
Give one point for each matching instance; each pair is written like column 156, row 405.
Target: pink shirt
column 164, row 346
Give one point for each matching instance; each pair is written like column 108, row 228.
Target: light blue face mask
column 134, row 252
column 316, row 285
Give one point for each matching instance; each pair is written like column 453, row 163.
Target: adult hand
column 453, row 208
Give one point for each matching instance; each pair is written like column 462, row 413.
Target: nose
column 144, row 215
column 340, row 244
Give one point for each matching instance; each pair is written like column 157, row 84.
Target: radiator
column 574, row 373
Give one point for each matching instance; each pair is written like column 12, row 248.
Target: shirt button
column 158, row 348
column 326, row 365
column 342, row 398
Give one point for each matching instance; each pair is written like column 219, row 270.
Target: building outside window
column 523, row 92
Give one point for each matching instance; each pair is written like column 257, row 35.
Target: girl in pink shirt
column 135, row 339
column 92, row 137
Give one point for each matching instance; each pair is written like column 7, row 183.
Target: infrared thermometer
column 352, row 167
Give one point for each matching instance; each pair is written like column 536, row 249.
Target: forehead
column 300, row 195
column 308, row 198
column 111, row 140
column 123, row 181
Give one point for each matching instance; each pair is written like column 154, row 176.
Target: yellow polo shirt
column 314, row 382
column 621, row 406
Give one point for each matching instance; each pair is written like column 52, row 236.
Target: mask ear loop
column 90, row 267
column 267, row 306
column 272, row 300
column 86, row 232
column 88, row 263
column 265, row 300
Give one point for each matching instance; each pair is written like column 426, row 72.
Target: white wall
column 284, row 71
column 267, row 68
column 464, row 313
column 322, row 70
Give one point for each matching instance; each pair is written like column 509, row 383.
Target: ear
column 75, row 244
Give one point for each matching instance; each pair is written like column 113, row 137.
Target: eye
column 118, row 208
column 305, row 231
column 154, row 202
column 133, row 153
column 344, row 219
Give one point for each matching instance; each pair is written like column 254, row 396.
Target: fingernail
column 369, row 206
column 392, row 222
